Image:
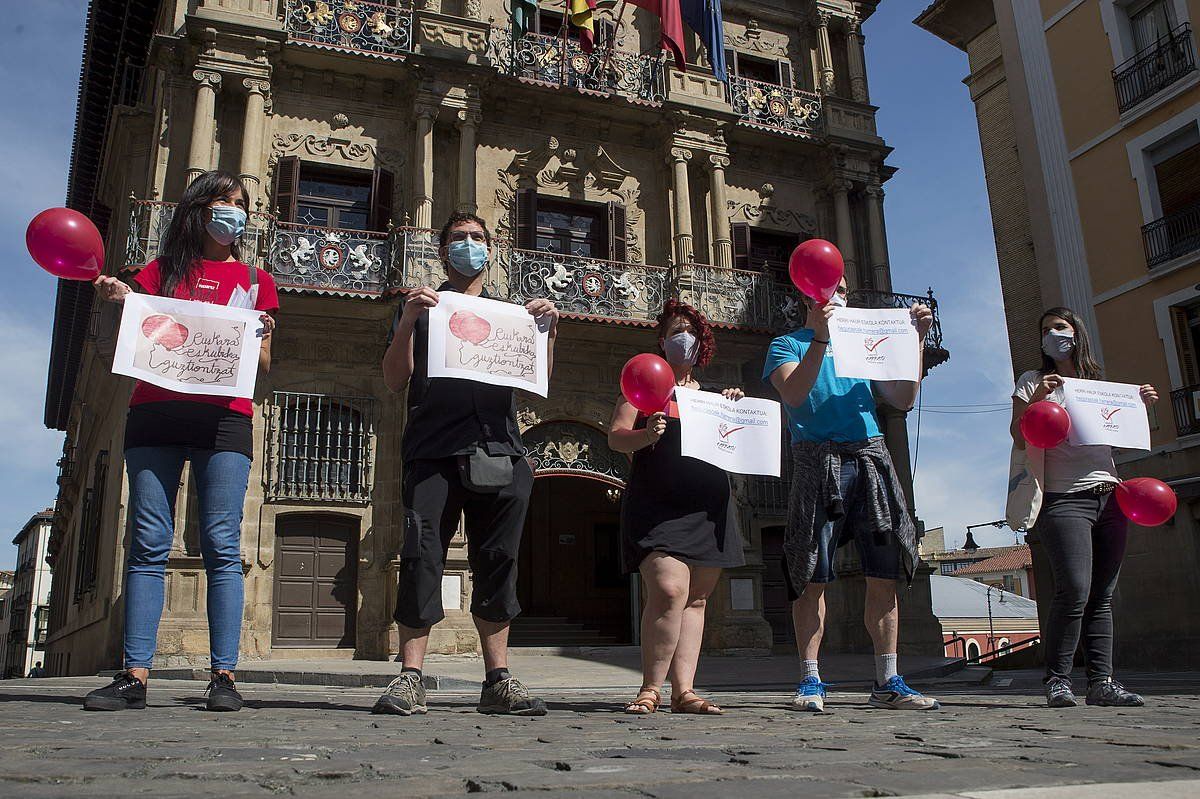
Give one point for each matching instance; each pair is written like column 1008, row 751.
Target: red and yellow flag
column 582, row 17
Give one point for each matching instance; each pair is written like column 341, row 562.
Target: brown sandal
column 648, row 700
column 695, row 705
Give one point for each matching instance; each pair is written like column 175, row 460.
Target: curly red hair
column 705, row 343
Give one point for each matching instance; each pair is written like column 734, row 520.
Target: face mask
column 227, row 225
column 1058, row 344
column 838, row 301
column 680, row 348
column 467, row 256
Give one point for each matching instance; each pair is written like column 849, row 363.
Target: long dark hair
column 1085, row 363
column 182, row 246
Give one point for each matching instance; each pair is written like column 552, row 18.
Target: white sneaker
column 810, row 696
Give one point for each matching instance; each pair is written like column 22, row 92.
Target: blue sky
column 939, row 235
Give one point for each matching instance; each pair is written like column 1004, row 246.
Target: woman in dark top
column 199, row 260
column 676, row 523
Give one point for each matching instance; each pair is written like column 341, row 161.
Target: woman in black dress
column 676, row 525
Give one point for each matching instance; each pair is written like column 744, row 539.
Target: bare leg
column 691, row 632
column 882, row 615
column 808, row 617
column 667, row 588
column 493, row 640
column 413, row 644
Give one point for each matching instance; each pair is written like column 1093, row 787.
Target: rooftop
column 1014, row 560
column 960, row 598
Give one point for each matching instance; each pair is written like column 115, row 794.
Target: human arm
column 902, row 394
column 545, row 308
column 398, row 359
column 623, row 438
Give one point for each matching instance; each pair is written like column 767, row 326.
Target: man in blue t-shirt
column 844, row 487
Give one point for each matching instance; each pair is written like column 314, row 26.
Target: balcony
column 1185, row 402
column 148, row 222
column 1172, row 236
column 330, row 260
column 780, row 109
column 588, row 286
column 739, row 297
column 935, row 353
column 381, row 30
column 1154, row 68
column 558, row 62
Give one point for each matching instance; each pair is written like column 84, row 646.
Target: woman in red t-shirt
column 199, row 260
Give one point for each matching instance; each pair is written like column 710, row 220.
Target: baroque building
column 613, row 180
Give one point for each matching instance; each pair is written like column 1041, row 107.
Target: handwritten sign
column 1106, row 413
column 875, row 344
column 189, row 347
column 488, row 341
column 743, row 437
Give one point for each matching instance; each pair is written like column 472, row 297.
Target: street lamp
column 970, row 544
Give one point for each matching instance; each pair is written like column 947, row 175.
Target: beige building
column 613, row 180
column 28, row 608
column 1088, row 117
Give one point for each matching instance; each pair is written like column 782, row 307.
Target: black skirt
column 679, row 506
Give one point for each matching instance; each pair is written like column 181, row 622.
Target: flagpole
column 566, row 29
column 608, row 50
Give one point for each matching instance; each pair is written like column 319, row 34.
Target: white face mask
column 1058, row 344
column 838, row 301
column 680, row 348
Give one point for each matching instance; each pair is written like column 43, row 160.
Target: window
column 1176, row 164
column 331, row 197
column 740, row 65
column 763, row 250
column 321, row 446
column 972, row 650
column 550, row 23
column 586, row 230
column 42, row 626
column 90, row 524
column 1150, row 22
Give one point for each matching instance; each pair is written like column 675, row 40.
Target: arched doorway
column 570, row 582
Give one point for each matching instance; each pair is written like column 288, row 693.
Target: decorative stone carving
column 209, row 78
column 753, row 39
column 323, row 147
column 778, row 218
column 570, row 447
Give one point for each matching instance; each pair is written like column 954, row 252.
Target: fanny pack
column 484, row 473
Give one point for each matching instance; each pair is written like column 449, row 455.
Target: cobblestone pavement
column 317, row 741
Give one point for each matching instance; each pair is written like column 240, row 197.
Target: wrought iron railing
column 776, row 107
column 739, row 297
column 1185, row 402
column 331, row 259
column 320, row 447
column 562, row 62
column 869, row 298
column 355, row 26
column 588, row 286
column 148, row 223
column 1173, row 236
column 1154, row 68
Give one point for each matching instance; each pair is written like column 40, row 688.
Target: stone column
column 468, row 124
column 880, row 279
column 423, row 167
column 824, row 51
column 203, row 122
column 722, row 241
column 682, row 204
column 845, row 228
column 857, row 62
column 252, row 134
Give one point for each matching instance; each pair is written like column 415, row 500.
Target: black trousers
column 1084, row 536
column 434, row 498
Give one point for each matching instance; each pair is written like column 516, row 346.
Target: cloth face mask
column 227, row 225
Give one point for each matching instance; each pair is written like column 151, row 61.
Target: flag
column 671, row 25
column 524, row 14
column 582, row 18
column 706, row 19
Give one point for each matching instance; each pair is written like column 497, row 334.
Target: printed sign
column 875, row 344
column 1106, row 413
column 488, row 341
column 743, row 437
column 187, row 346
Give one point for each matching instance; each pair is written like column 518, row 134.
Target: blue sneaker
column 810, row 695
column 896, row 695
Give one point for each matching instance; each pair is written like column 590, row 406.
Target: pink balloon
column 66, row 244
column 816, row 267
column 1045, row 425
column 1146, row 501
column 647, row 382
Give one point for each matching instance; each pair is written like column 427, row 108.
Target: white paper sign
column 189, row 347
column 743, row 437
column 1106, row 413
column 875, row 344
column 488, row 341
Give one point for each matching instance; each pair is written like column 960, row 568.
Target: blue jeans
column 220, row 479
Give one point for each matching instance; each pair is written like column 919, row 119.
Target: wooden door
column 315, row 581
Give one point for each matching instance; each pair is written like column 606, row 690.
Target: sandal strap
column 696, row 704
column 648, row 698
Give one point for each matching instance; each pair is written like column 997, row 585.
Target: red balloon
column 647, row 381
column 1146, row 501
column 816, row 267
column 66, row 244
column 1045, row 425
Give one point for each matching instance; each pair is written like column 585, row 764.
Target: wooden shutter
column 617, row 244
column 1178, row 179
column 731, row 65
column 287, row 187
column 740, row 233
column 382, row 186
column 526, row 219
column 606, row 32
column 785, row 73
column 1188, row 371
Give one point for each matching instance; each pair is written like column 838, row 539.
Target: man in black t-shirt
column 462, row 456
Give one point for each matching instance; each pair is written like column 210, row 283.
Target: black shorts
column 434, row 498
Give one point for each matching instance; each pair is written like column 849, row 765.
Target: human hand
column 110, row 289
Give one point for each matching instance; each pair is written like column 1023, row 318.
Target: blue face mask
column 468, row 256
column 227, row 225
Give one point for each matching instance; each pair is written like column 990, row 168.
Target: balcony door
column 1150, row 23
column 762, row 250
column 332, row 197
column 570, row 227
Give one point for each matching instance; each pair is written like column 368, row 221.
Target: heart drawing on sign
column 467, row 326
column 162, row 329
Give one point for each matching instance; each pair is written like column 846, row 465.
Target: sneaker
column 125, row 692
column 810, row 695
column 1110, row 693
column 404, row 696
column 1058, row 693
column 510, row 697
column 896, row 695
column 223, row 696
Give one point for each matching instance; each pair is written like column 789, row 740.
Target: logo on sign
column 1108, row 414
column 724, row 432
column 871, row 345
